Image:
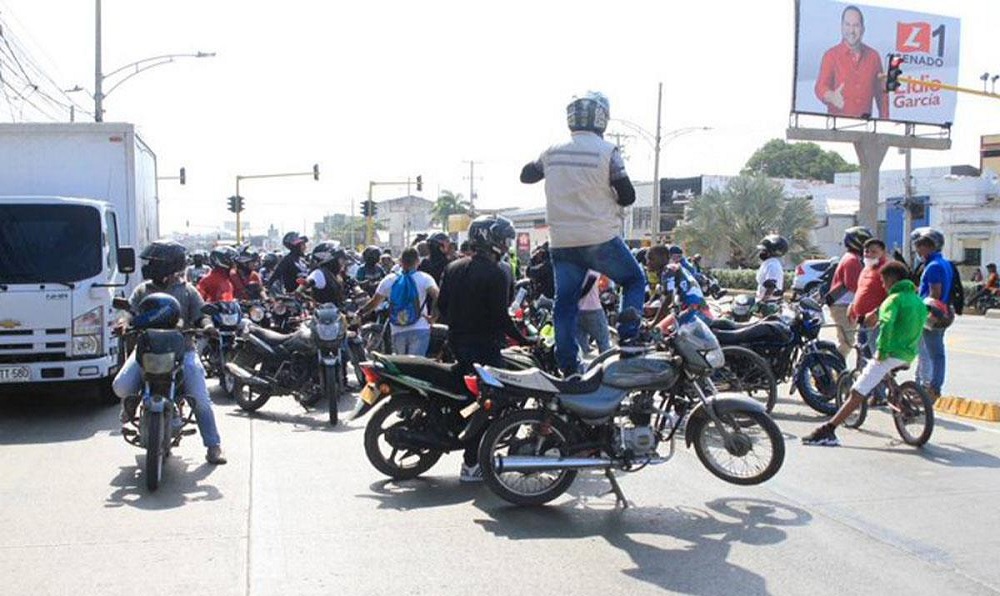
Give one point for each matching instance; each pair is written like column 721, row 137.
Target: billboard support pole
column 871, row 148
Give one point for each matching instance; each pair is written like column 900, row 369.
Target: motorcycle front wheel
column 248, row 397
column 817, row 381
column 154, row 449
column 527, row 433
column 399, row 462
column 331, row 389
column 752, row 452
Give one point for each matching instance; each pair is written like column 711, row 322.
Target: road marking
column 265, row 547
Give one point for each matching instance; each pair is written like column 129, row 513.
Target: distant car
column 813, row 277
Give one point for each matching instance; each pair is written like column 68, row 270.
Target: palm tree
column 728, row 224
column 448, row 203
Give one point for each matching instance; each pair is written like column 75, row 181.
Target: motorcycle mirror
column 121, row 304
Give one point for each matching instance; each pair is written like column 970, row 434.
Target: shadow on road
column 421, row 493
column 50, row 416
column 183, row 482
column 679, row 549
column 313, row 420
column 945, row 454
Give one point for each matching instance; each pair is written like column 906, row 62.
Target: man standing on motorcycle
column 292, row 266
column 845, row 285
column 163, row 267
column 771, row 275
column 473, row 302
column 216, row 286
column 586, row 190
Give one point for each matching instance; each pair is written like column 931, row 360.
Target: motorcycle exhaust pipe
column 244, row 376
column 530, row 463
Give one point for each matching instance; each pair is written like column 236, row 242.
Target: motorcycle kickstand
column 616, row 489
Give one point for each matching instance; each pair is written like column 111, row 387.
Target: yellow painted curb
column 969, row 408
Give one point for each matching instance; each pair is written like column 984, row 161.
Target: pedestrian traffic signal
column 235, row 204
column 894, row 68
column 420, row 183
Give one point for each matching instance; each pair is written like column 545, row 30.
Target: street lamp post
column 238, row 203
column 138, row 66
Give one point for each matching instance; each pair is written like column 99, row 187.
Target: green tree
column 805, row 161
column 728, row 224
column 448, row 203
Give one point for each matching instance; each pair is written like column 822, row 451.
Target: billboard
column 840, row 55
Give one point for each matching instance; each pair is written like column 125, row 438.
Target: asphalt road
column 298, row 510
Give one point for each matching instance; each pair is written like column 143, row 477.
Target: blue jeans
column 129, row 382
column 593, row 324
column 411, row 341
column 570, row 265
column 931, row 365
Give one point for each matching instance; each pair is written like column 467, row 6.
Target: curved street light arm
column 157, row 59
column 135, row 72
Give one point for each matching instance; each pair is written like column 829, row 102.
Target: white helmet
column 590, row 112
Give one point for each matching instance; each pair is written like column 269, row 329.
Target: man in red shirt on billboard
column 849, row 78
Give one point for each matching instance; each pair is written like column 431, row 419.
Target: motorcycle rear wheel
column 401, row 411
column 154, row 450
column 747, row 372
column 516, row 434
column 754, row 454
column 248, row 398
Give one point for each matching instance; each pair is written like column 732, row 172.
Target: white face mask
column 871, row 261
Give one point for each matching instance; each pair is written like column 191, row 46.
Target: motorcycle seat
column 270, row 337
column 448, row 377
column 539, row 380
column 764, row 331
column 729, row 324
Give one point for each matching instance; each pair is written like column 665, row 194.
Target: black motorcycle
column 985, row 300
column 617, row 416
column 215, row 350
column 307, row 364
column 161, row 413
column 791, row 345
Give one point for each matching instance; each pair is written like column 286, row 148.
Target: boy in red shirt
column 216, row 287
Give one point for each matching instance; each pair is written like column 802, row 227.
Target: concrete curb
column 969, row 408
column 992, row 314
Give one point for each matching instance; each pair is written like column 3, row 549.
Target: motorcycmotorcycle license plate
column 15, row 374
column 369, row 394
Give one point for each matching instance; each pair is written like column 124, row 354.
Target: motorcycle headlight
column 229, row 320
column 715, row 358
column 279, row 308
column 328, row 331
column 256, row 314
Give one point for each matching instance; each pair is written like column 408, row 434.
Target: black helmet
column 491, row 232
column 991, row 267
column 772, row 245
column 247, row 255
column 675, row 249
column 157, row 311
column 222, row 257
column 199, row 258
column 855, row 238
column 270, row 260
column 294, row 241
column 370, row 255
column 162, row 259
column 928, row 233
column 439, row 239
column 324, row 252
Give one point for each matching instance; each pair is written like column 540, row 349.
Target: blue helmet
column 157, row 311
column 590, row 112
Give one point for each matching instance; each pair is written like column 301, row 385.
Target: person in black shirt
column 473, row 301
column 439, row 245
column 370, row 273
column 543, row 282
column 292, row 266
column 325, row 281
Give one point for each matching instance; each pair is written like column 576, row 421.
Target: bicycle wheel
column 747, row 372
column 844, row 383
column 913, row 413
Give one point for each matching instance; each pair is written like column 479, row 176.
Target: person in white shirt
column 771, row 275
column 411, row 328
column 592, row 323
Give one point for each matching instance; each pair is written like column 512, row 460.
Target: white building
column 403, row 218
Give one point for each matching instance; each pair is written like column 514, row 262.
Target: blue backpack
column 404, row 301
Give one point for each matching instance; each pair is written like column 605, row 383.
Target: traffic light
column 420, row 183
column 315, row 171
column 894, row 68
column 183, row 176
column 235, row 204
column 368, row 208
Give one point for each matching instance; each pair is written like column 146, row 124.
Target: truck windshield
column 49, row 243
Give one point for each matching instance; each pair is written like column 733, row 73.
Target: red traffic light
column 896, row 62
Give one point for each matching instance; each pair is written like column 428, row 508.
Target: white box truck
column 77, row 202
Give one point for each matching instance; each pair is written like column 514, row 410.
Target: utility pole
column 350, row 224
column 655, row 223
column 472, row 187
column 98, row 76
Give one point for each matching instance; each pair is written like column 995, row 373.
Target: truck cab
column 61, row 263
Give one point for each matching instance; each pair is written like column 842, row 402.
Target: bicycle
column 909, row 403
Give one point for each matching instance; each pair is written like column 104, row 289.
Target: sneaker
column 215, row 456
column 471, row 474
column 823, row 436
column 129, row 406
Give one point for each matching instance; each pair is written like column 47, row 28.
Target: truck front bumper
column 89, row 369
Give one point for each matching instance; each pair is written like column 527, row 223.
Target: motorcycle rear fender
column 259, row 345
column 723, row 404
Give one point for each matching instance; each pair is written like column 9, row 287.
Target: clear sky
column 388, row 89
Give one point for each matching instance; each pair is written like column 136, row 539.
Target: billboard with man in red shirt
column 840, row 65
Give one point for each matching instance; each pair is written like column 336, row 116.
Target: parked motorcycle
column 984, row 301
column 617, row 416
column 161, row 411
column 791, row 345
column 307, row 364
column 226, row 318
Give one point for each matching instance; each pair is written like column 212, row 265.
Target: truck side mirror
column 126, row 259
column 121, row 304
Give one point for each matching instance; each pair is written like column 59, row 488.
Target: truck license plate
column 15, row 374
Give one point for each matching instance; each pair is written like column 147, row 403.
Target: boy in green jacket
column 901, row 321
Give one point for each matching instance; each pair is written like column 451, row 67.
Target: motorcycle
column 791, row 345
column 161, row 414
column 617, row 416
column 307, row 364
column 226, row 318
column 285, row 314
column 984, row 301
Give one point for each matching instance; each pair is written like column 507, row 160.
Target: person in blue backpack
column 410, row 294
